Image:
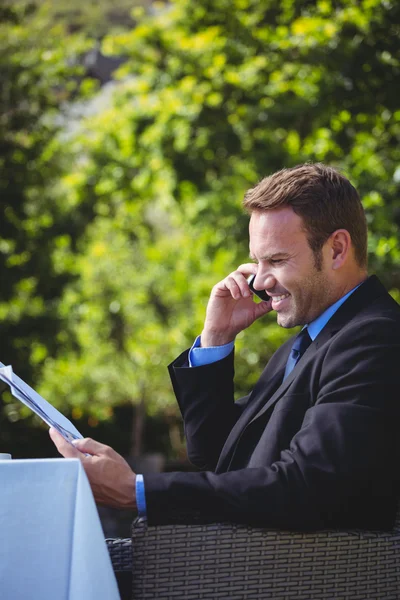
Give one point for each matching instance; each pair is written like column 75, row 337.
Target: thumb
column 262, row 308
column 89, row 446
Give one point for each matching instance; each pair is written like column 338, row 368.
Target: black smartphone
column 262, row 294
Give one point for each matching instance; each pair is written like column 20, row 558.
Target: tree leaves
column 139, row 209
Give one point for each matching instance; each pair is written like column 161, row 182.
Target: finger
column 236, row 282
column 242, row 275
column 90, row 446
column 232, row 285
column 238, row 285
column 64, row 447
column 248, row 269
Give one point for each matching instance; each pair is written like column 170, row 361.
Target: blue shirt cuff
column 140, row 496
column 205, row 356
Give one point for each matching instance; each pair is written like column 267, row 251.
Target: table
column 51, row 542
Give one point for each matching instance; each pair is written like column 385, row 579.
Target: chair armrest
column 120, row 550
column 235, row 562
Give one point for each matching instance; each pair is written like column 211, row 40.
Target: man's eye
column 276, row 261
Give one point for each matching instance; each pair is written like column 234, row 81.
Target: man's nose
column 264, row 281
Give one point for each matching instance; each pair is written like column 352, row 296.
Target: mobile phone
column 262, row 294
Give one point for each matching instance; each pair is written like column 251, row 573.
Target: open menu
column 50, row 415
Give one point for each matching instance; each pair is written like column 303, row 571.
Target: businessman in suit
column 315, row 443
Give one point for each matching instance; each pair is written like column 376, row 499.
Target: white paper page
column 23, row 392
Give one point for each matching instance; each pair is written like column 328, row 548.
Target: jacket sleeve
column 205, row 396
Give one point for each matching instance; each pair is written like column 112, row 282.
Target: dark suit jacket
column 317, row 450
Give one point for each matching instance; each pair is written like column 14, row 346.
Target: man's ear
column 340, row 246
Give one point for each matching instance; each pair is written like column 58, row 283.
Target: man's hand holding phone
column 231, row 307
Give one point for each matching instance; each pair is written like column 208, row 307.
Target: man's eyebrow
column 273, row 256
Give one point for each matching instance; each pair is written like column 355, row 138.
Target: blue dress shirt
column 204, row 356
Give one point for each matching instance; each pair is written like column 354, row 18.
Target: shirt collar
column 316, row 326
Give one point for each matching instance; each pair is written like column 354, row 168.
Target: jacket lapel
column 264, row 387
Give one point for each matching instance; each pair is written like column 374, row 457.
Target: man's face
column 286, row 267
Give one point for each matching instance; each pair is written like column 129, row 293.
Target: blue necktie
column 300, row 345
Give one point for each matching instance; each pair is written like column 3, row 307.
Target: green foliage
column 94, row 18
column 213, row 96
column 36, row 71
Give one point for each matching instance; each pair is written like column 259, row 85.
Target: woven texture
column 120, row 550
column 235, row 562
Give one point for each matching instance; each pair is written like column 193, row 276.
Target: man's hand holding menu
column 111, row 478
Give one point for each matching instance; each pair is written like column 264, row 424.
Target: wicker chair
column 238, row 562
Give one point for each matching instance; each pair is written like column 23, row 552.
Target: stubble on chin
column 285, row 321
column 290, row 320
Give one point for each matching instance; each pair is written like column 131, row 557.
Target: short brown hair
column 322, row 197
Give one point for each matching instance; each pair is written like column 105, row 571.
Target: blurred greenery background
column 128, row 136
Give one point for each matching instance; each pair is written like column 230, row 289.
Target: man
column 314, row 445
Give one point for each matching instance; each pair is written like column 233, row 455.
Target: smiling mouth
column 278, row 300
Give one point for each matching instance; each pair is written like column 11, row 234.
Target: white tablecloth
column 51, row 541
